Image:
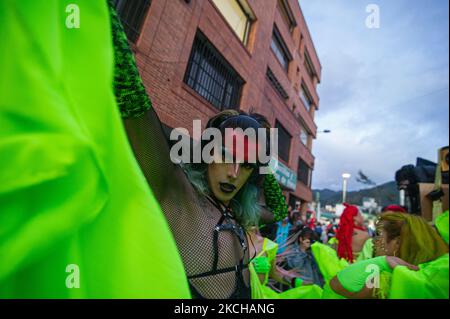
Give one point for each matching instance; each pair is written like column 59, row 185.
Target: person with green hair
column 220, row 205
column 78, row 219
column 411, row 262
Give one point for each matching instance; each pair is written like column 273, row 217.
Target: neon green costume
column 329, row 265
column 367, row 251
column 431, row 281
column 328, row 261
column 442, row 226
column 261, row 291
column 71, row 192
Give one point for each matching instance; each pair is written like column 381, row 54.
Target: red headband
column 247, row 150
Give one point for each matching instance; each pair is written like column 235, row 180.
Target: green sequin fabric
column 129, row 89
column 275, row 199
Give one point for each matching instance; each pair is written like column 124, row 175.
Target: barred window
column 309, row 65
column 276, row 84
column 284, row 142
column 132, row 14
column 304, row 173
column 211, row 76
column 286, row 14
column 280, row 49
column 306, row 98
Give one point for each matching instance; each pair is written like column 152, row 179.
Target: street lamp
column 324, row 131
column 345, row 178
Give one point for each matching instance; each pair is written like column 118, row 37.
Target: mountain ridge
column 384, row 194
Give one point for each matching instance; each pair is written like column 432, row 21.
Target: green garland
column 275, row 200
column 129, row 89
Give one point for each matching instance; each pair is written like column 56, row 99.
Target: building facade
column 198, row 57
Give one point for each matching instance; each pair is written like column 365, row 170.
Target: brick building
column 197, row 57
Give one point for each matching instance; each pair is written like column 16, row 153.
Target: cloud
column 384, row 92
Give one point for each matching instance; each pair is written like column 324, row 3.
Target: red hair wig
column 345, row 232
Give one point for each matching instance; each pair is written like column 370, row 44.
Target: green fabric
column 261, row 264
column 257, row 288
column 71, row 191
column 327, row 260
column 333, row 241
column 129, row 89
column 298, row 282
column 328, row 293
column 367, row 251
column 443, row 226
column 353, row 278
column 430, row 282
column 261, row 291
column 269, row 252
column 385, row 283
column 302, row 292
column 274, row 198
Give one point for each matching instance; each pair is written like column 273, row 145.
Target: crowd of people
column 341, row 265
column 91, row 184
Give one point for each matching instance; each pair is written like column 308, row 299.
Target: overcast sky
column 384, row 92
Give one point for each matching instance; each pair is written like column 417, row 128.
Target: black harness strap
column 241, row 289
column 216, row 242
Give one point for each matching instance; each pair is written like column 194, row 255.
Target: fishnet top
column 192, row 217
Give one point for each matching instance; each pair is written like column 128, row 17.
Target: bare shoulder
column 361, row 234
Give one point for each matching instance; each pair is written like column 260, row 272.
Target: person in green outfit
column 78, row 219
column 432, row 279
column 367, row 251
column 407, row 248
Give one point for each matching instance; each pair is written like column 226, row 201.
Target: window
column 304, row 173
column 304, row 136
column 211, row 76
column 276, row 84
column 132, row 14
column 309, row 66
column 287, row 14
column 284, row 142
column 306, row 98
column 280, row 49
column 238, row 15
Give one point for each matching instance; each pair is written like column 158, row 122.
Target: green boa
column 275, row 200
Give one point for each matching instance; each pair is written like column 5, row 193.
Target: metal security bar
column 132, row 14
column 276, row 84
column 303, row 173
column 211, row 76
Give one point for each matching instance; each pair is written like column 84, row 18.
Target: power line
column 418, row 97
